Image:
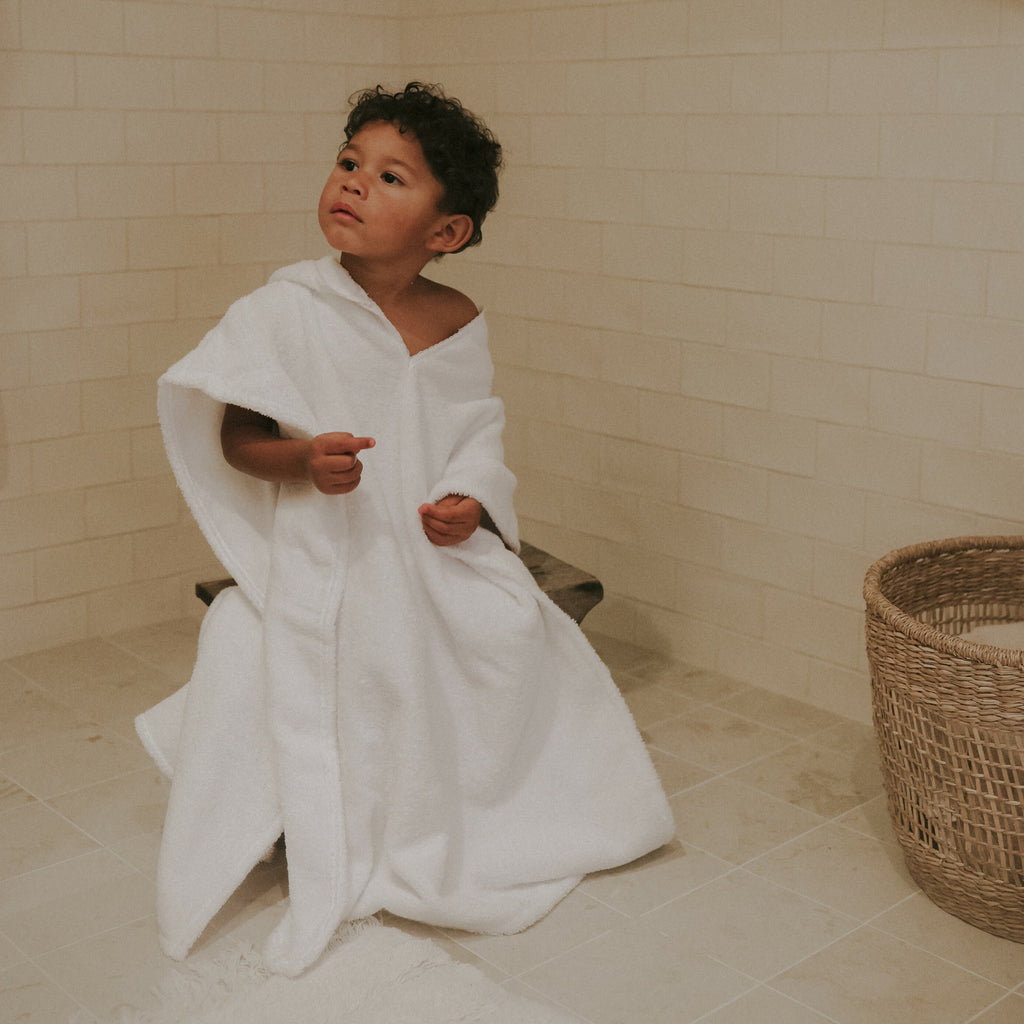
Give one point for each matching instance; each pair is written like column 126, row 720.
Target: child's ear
column 454, row 232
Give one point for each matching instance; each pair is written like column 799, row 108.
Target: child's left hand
column 450, row 520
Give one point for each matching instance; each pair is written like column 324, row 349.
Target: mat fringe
column 369, row 974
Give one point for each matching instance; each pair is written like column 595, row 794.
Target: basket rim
column 948, row 643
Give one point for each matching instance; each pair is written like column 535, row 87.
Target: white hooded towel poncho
column 432, row 734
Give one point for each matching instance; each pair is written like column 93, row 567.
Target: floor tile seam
column 148, row 662
column 730, row 868
column 9, row 664
column 542, row 997
column 522, row 976
column 800, row 737
column 143, row 770
column 83, row 939
column 888, row 841
column 651, row 745
column 855, row 923
column 717, row 703
column 733, row 868
column 747, row 688
column 873, row 926
column 1005, row 989
column 755, row 983
column 888, row 910
column 786, row 842
column 821, row 823
column 677, row 757
column 812, row 744
column 762, row 757
column 57, row 698
column 710, row 853
column 90, row 724
column 991, row 1006
column 435, row 933
column 507, row 977
column 800, row 1002
column 518, row 975
column 98, row 848
column 697, row 702
column 717, row 771
column 654, row 723
column 630, row 678
column 51, row 979
column 805, row 898
column 686, row 788
column 833, row 819
column 121, row 857
column 131, row 737
column 26, row 957
column 704, row 1018
column 692, row 703
column 67, row 821
column 89, row 854
column 682, row 683
column 725, row 777
column 866, row 927
column 792, row 737
column 771, row 981
column 604, row 903
column 754, row 791
column 129, row 922
column 30, row 744
column 102, row 678
column 837, row 819
column 672, row 899
column 34, row 955
column 665, row 690
column 14, row 810
column 565, row 951
column 843, row 721
column 4, row 777
column 648, row 661
column 71, row 792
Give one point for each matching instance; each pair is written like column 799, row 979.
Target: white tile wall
column 157, row 158
column 754, row 286
column 848, row 315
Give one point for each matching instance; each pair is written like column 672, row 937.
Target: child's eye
column 390, row 179
column 347, row 163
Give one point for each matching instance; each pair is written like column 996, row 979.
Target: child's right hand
column 332, row 461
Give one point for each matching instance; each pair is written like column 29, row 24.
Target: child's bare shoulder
column 447, row 307
column 430, row 314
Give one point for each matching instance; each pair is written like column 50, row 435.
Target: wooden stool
column 572, row 589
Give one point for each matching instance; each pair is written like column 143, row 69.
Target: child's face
column 381, row 200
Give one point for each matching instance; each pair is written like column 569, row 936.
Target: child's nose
column 353, row 183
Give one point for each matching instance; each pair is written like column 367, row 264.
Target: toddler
column 386, row 685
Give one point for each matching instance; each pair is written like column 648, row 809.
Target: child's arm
column 251, row 443
column 450, row 520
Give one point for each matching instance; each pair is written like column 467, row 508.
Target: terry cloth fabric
column 432, row 734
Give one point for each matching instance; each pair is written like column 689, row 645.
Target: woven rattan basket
column 949, row 719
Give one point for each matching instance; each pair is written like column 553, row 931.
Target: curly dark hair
column 459, row 148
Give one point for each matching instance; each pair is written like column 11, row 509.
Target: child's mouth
column 345, row 212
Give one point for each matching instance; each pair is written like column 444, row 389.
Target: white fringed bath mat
column 370, row 974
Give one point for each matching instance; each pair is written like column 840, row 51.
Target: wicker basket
column 949, row 719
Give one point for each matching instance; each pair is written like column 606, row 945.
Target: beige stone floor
column 783, row 898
